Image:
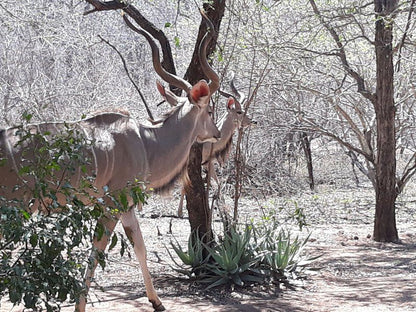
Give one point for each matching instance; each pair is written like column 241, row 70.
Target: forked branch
column 130, row 10
column 312, row 125
column 104, row 6
column 360, row 135
column 409, row 172
column 361, row 88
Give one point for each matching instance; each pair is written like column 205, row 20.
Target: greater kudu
column 232, row 119
column 124, row 150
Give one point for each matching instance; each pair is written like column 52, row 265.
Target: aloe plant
column 234, row 260
column 278, row 250
column 256, row 253
column 193, row 259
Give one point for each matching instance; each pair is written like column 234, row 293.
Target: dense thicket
column 54, row 64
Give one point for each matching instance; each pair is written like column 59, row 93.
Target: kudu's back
column 105, row 147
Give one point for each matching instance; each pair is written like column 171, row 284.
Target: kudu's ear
column 160, row 88
column 230, row 102
column 199, row 91
column 168, row 95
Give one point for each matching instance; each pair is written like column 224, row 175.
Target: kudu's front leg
column 133, row 232
column 99, row 245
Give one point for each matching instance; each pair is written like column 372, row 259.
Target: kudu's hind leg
column 99, row 245
column 133, row 232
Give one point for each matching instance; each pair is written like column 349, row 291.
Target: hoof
column 158, row 307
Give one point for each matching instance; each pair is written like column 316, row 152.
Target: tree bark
column 306, row 146
column 215, row 12
column 196, row 195
column 385, row 216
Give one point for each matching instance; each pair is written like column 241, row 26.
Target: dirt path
column 354, row 273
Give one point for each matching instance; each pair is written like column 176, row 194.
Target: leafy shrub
column 43, row 256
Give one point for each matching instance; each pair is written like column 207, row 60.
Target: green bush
column 43, row 256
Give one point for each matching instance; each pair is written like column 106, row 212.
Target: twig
column 238, row 158
column 104, row 6
column 129, row 76
column 343, row 56
column 401, row 43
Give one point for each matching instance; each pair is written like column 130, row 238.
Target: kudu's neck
column 227, row 127
column 167, row 146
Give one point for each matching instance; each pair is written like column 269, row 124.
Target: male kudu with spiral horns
column 124, row 151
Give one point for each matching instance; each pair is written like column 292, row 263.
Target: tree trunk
column 385, row 219
column 196, row 195
column 306, row 146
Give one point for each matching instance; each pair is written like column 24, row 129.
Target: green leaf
column 30, row 300
column 3, row 161
column 237, row 280
column 25, row 214
column 218, row 281
column 99, row 231
column 27, row 116
column 33, row 240
column 14, row 296
column 114, row 240
column 177, row 41
column 25, row 170
column 123, row 200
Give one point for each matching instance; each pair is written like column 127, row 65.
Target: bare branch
column 343, row 57
column 312, row 125
column 104, row 6
column 149, row 113
column 130, row 10
column 360, row 135
column 406, row 30
column 409, row 172
column 357, row 163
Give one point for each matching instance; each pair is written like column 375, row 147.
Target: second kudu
column 124, row 150
column 233, row 118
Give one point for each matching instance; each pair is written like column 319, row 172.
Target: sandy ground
column 354, row 273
